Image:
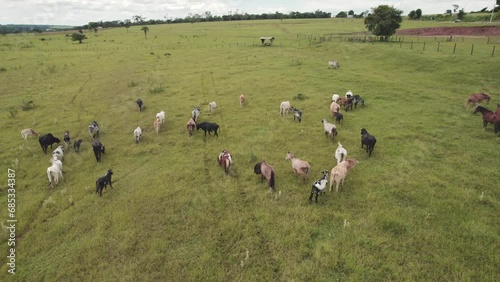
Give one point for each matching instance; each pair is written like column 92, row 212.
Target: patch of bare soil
column 455, row 30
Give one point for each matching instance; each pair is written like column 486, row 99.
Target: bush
column 133, row 84
column 300, row 97
column 28, row 105
column 12, row 112
column 2, row 69
column 157, row 90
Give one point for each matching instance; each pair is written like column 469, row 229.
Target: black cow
column 76, row 145
column 98, row 149
column 208, row 126
column 139, row 104
column 46, row 140
column 67, row 139
column 368, row 140
column 102, row 182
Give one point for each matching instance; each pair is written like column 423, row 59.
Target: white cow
column 212, row 106
column 335, row 98
column 340, row 154
column 161, row 116
column 284, row 107
column 137, row 134
column 333, row 64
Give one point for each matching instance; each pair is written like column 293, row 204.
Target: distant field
column 423, row 207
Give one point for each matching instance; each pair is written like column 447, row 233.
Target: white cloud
column 79, row 12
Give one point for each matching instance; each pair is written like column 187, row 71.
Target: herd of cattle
column 337, row 174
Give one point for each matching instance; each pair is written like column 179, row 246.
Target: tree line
column 206, row 17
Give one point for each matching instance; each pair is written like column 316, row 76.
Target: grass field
column 425, row 205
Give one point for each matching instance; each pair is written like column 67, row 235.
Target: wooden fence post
column 438, row 46
column 472, row 49
column 411, row 45
column 424, row 46
column 493, row 52
column 454, row 47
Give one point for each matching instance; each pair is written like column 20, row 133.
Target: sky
column 80, row 12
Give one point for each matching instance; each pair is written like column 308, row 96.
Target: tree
column 341, row 15
column 418, row 14
column 384, row 21
column 412, row 15
column 461, row 14
column 145, row 29
column 127, row 23
column 351, row 13
column 78, row 37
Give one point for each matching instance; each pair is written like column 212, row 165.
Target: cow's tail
column 271, row 180
column 227, row 165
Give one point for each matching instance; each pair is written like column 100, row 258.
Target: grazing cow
column 58, row 163
column 67, row 140
column 333, row 65
column 190, row 125
column 195, row 113
column 212, row 106
column 226, row 160
column 94, row 130
column 103, row 182
column 139, row 104
column 284, row 107
column 335, row 98
column 46, row 140
column 98, row 149
column 339, row 118
column 296, row 114
column 161, row 116
column 208, row 126
column 58, row 153
column 27, row 132
column 242, row 100
column 319, row 185
column 334, row 109
column 340, row 153
column 368, row 140
column 347, row 102
column 357, row 99
column 477, row 98
column 76, row 145
column 157, row 124
column 339, row 173
column 330, row 128
column 54, row 172
column 266, row 171
column 137, row 134
column 299, row 166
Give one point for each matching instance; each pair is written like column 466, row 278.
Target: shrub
column 2, row 69
column 157, row 90
column 12, row 111
column 28, row 105
column 133, row 84
column 300, row 97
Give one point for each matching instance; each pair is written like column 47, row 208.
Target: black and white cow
column 296, row 114
column 319, row 185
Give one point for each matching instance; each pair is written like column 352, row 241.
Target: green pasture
column 424, row 207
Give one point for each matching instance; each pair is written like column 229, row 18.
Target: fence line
column 301, row 40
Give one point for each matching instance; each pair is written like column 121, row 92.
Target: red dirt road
column 463, row 31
